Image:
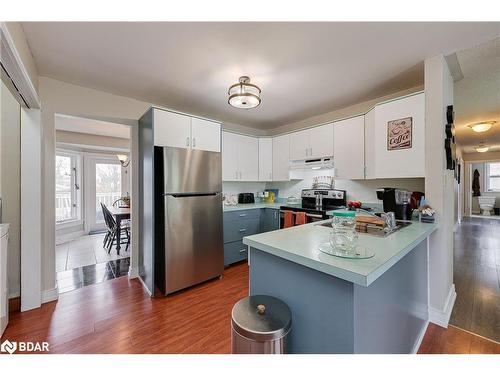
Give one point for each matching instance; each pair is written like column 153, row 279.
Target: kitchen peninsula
column 376, row 305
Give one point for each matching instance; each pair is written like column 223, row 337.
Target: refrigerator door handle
column 182, row 195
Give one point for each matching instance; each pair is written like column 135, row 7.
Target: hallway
column 477, row 277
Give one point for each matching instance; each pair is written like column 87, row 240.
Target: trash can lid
column 261, row 318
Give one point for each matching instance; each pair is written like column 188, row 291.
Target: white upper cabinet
column 349, row 148
column 205, row 135
column 248, row 158
column 281, row 158
column 265, row 159
column 229, row 157
column 400, row 147
column 369, row 145
column 240, row 157
column 321, row 141
column 177, row 130
column 171, row 129
column 299, row 145
column 312, row 143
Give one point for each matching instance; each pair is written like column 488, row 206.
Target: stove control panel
column 327, row 193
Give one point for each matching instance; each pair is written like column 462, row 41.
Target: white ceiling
column 90, row 126
column 303, row 69
column 477, row 95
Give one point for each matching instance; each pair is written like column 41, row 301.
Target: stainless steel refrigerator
column 188, row 218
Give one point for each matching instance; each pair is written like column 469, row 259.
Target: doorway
column 93, row 165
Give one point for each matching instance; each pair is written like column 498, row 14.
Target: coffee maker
column 397, row 201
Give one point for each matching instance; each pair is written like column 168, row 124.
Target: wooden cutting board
column 370, row 220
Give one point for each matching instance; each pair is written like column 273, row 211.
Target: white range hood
column 321, row 163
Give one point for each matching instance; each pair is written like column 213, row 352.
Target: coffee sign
column 399, row 135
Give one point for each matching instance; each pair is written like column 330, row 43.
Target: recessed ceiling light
column 482, row 147
column 481, row 127
column 244, row 94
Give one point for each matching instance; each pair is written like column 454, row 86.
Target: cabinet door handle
column 194, row 142
column 236, row 175
column 243, row 250
column 187, row 141
column 243, row 230
column 243, row 215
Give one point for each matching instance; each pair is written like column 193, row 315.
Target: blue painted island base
column 331, row 315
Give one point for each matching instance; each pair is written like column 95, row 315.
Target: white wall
column 439, row 188
column 10, row 182
column 97, row 141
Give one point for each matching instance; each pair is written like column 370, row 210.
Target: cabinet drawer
column 242, row 214
column 235, row 230
column 235, row 252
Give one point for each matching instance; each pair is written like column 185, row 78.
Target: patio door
column 104, row 185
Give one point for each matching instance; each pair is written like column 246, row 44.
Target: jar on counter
column 344, row 237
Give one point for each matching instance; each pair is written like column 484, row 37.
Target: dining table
column 119, row 214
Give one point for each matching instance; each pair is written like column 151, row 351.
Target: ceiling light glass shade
column 481, row 127
column 244, row 94
column 482, row 148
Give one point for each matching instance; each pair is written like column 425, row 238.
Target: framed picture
column 399, row 134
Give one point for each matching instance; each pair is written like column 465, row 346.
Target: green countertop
column 300, row 245
column 251, row 206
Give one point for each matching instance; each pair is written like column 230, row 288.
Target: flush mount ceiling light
column 244, row 94
column 481, row 127
column 482, row 147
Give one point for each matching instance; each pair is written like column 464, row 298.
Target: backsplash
column 362, row 190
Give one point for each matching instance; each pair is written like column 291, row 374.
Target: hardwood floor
column 454, row 340
column 117, row 316
column 476, row 276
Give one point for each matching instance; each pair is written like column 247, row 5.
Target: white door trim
column 31, row 212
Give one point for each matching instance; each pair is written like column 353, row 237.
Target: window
column 108, row 186
column 492, row 176
column 68, row 207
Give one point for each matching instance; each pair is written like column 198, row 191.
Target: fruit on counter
column 354, row 204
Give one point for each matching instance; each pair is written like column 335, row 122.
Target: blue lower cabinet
column 235, row 252
column 242, row 223
column 238, row 224
column 269, row 220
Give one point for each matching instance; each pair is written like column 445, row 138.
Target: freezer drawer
column 191, row 171
column 193, row 246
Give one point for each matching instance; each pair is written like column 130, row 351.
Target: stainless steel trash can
column 260, row 325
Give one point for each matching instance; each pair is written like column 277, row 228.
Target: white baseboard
column 63, row 238
column 145, row 286
column 420, row 338
column 50, row 295
column 133, row 273
column 442, row 317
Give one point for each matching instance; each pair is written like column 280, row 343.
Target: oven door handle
column 315, row 216
column 308, row 215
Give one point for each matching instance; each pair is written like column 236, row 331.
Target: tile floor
column 92, row 274
column 84, row 261
column 85, row 251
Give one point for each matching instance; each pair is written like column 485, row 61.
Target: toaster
column 246, row 198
